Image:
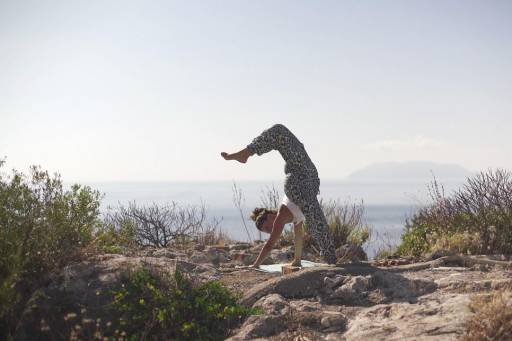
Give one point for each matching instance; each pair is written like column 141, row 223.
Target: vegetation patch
column 42, row 227
column 175, row 308
column 492, row 319
column 476, row 219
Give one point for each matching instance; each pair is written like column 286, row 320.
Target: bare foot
column 240, row 157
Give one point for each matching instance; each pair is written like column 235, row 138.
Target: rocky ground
column 359, row 301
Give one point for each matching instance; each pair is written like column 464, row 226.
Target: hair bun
column 256, row 213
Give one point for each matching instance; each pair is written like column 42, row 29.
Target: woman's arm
column 298, row 231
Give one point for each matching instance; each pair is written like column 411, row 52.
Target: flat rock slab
column 432, row 318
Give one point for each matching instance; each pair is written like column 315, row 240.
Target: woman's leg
column 270, row 139
column 304, row 193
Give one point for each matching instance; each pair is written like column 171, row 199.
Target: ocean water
column 387, row 205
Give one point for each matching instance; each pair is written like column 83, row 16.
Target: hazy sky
column 155, row 90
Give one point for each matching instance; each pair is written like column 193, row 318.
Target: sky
column 155, row 90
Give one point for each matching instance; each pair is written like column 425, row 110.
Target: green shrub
column 42, row 227
column 475, row 219
column 155, row 306
column 110, row 238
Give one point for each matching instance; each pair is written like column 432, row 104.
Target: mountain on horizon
column 410, row 171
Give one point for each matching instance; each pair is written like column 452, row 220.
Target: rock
column 331, row 282
column 333, row 321
column 399, row 287
column 217, row 255
column 306, row 283
column 239, row 246
column 260, row 326
column 282, row 255
column 273, row 304
column 354, row 253
column 429, row 319
column 305, row 306
column 199, row 257
column 243, row 257
column 335, row 337
column 353, row 288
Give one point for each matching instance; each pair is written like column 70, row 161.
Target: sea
column 387, row 205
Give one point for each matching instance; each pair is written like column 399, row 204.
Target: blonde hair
column 259, row 216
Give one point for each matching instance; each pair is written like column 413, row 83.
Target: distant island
column 410, row 171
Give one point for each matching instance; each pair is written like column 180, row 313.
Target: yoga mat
column 277, row 267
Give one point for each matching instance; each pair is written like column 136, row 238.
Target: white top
column 298, row 216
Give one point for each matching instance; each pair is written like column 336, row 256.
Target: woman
column 267, row 220
column 301, row 186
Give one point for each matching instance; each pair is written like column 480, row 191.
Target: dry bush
column 346, row 222
column 492, row 319
column 212, row 234
column 477, row 218
column 164, row 225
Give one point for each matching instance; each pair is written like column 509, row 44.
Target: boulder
column 243, row 257
column 332, row 321
column 354, row 287
column 331, row 282
column 354, row 253
column 199, row 257
column 260, row 326
column 305, row 306
column 273, row 304
column 429, row 319
column 399, row 287
column 217, row 255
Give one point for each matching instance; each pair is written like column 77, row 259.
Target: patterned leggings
column 303, row 193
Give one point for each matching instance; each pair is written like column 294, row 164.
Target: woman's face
column 269, row 223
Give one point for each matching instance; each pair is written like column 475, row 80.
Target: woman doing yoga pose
column 301, row 186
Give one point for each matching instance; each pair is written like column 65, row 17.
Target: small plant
column 155, row 306
column 492, row 319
